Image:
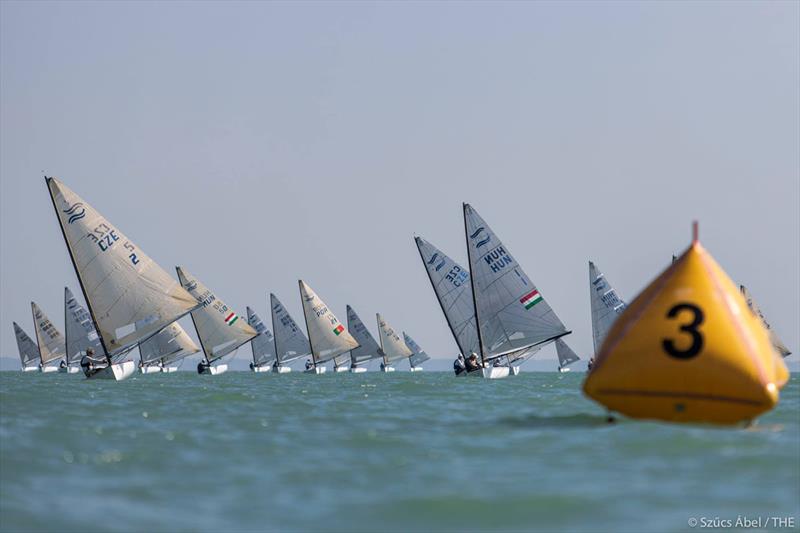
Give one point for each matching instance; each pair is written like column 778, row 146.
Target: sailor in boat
column 590, row 364
column 91, row 365
column 472, row 363
column 252, row 366
column 63, row 364
column 275, row 365
column 309, row 364
column 202, row 366
column 458, row 365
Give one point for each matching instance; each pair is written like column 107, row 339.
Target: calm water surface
column 372, row 452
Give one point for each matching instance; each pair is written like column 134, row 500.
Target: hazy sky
column 257, row 143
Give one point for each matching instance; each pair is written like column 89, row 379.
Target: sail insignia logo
column 75, row 212
column 433, row 260
column 477, row 233
column 192, row 285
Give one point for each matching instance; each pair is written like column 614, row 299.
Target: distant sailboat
column 394, row 349
column 368, row 348
column 565, row 355
column 290, row 341
column 262, row 345
column 130, row 298
column 606, row 306
column 28, row 351
column 79, row 333
column 162, row 352
column 327, row 336
column 511, row 314
column 341, row 363
column 776, row 341
column 51, row 342
column 218, row 327
column 418, row 355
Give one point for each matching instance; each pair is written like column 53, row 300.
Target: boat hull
column 340, row 369
column 416, row 369
column 68, row 370
column 563, row 369
column 214, row 370
column 495, row 372
column 149, row 370
column 514, row 370
column 48, row 369
column 259, row 369
column 387, row 369
column 358, row 370
column 281, row 369
column 30, row 368
column 169, row 369
column 116, row 372
column 316, row 370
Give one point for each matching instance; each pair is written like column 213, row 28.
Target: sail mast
column 305, row 319
column 75, row 266
column 472, row 285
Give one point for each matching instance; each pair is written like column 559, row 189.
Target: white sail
column 776, row 341
column 28, row 351
column 130, row 297
column 220, row 329
column 565, row 353
column 51, row 341
column 262, row 345
column 510, row 310
column 451, row 284
column 290, row 341
column 169, row 345
column 606, row 305
column 393, row 346
column 341, row 361
column 80, row 334
column 418, row 355
column 368, row 348
column 328, row 337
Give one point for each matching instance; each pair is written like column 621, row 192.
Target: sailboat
column 327, row 336
column 262, row 345
column 161, row 353
column 394, row 349
column 368, row 348
column 218, row 327
column 565, row 355
column 418, row 355
column 79, row 333
column 511, row 314
column 290, row 341
column 341, row 363
column 28, row 351
column 776, row 341
column 606, row 305
column 50, row 340
column 130, row 298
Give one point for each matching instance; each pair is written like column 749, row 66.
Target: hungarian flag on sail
column 231, row 318
column 531, row 299
column 338, row 329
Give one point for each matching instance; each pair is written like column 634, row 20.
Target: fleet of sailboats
column 496, row 314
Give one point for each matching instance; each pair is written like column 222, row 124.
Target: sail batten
column 290, row 341
column 122, row 286
column 328, row 337
column 220, row 330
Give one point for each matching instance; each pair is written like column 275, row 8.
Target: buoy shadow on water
column 581, row 420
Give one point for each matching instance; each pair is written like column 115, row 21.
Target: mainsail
column 368, row 348
column 776, row 341
column 79, row 329
column 565, row 353
column 510, row 311
column 169, row 345
column 393, row 346
column 218, row 326
column 328, row 337
column 418, row 355
column 130, row 297
column 451, row 284
column 606, row 305
column 51, row 341
column 28, row 351
column 290, row 341
column 263, row 344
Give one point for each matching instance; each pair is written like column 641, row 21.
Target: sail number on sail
column 105, row 237
column 690, row 328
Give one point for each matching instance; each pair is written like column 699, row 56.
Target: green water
column 372, row 452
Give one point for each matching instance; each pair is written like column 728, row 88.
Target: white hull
column 215, row 370
column 495, row 372
column 416, row 369
column 515, row 370
column 259, row 369
column 340, row 369
column 30, row 368
column 118, row 371
column 315, row 370
column 169, row 369
column 563, row 369
column 48, row 369
column 149, row 370
column 358, row 370
column 68, row 370
column 387, row 369
column 281, row 369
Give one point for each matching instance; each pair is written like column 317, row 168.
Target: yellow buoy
column 688, row 349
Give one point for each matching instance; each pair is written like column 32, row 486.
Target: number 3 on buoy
column 691, row 329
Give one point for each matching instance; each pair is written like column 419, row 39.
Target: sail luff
column 79, row 332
